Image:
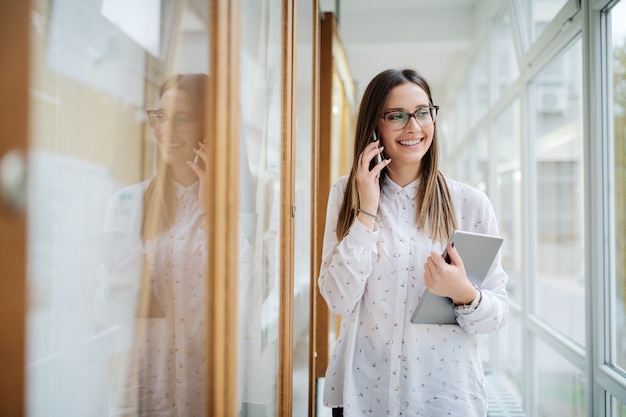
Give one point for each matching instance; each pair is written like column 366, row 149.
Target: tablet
column 478, row 252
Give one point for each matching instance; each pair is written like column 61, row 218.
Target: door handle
column 13, row 180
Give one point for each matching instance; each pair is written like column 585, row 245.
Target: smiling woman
column 155, row 278
column 385, row 230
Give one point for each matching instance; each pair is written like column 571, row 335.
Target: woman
column 155, row 280
column 387, row 224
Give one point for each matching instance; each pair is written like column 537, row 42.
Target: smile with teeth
column 174, row 145
column 410, row 142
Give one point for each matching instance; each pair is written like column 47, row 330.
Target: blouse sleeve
column 346, row 264
column 493, row 311
column 121, row 259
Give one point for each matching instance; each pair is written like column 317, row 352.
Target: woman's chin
column 175, row 158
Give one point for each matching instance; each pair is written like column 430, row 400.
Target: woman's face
column 180, row 131
column 406, row 147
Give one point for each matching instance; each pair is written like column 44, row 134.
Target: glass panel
column 538, row 14
column 116, row 297
column 510, row 354
column 560, row 386
column 479, row 86
column 260, row 198
column 504, row 59
column 447, row 134
column 462, row 165
column 618, row 16
column 507, row 145
column 618, row 409
column 304, row 140
column 473, row 165
column 560, row 291
column 479, row 173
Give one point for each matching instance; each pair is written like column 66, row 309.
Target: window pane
column 618, row 14
column 474, row 164
column 560, row 385
column 510, row 354
column 559, row 289
column 111, row 306
column 260, row 201
column 538, row 14
column 479, row 86
column 618, row 409
column 504, row 59
column 302, row 268
column 447, row 136
column 507, row 145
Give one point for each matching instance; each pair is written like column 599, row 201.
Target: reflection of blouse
column 162, row 374
column 383, row 364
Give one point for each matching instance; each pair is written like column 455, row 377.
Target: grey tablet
column 478, row 252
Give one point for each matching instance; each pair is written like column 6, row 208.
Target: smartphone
column 378, row 158
column 198, row 161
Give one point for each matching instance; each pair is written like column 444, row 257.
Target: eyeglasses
column 397, row 119
column 183, row 122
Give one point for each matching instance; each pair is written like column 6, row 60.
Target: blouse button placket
column 401, row 288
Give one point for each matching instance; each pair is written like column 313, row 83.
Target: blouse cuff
column 361, row 236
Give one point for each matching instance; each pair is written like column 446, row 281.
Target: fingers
column 199, row 155
column 445, row 279
column 455, row 258
column 369, row 154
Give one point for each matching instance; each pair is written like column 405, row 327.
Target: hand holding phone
column 379, row 157
column 197, row 160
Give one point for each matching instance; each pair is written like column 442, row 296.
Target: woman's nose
column 413, row 124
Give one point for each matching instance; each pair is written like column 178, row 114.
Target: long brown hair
column 158, row 198
column 435, row 213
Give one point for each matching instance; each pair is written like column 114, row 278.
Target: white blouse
column 382, row 364
column 159, row 360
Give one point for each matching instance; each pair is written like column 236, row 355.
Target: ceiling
column 434, row 37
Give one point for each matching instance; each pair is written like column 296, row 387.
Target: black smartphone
column 378, row 158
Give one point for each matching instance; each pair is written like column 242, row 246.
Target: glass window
column 510, row 355
column 504, row 60
column 537, row 15
column 618, row 16
column 473, row 166
column 479, row 86
column 479, row 173
column 260, row 201
column 559, row 290
column 507, row 151
column 302, row 243
column 618, row 409
column 560, row 385
column 110, row 306
column 453, row 123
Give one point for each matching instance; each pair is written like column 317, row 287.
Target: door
column 95, row 68
column 13, row 109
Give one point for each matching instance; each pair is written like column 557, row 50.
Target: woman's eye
column 396, row 116
column 184, row 118
column 424, row 112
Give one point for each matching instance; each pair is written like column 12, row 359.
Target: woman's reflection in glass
column 151, row 284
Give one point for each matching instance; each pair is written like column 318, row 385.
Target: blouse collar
column 181, row 191
column 391, row 188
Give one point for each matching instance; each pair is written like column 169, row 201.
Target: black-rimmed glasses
column 182, row 122
column 398, row 119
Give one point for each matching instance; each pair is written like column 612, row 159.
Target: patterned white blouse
column 382, row 364
column 157, row 361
